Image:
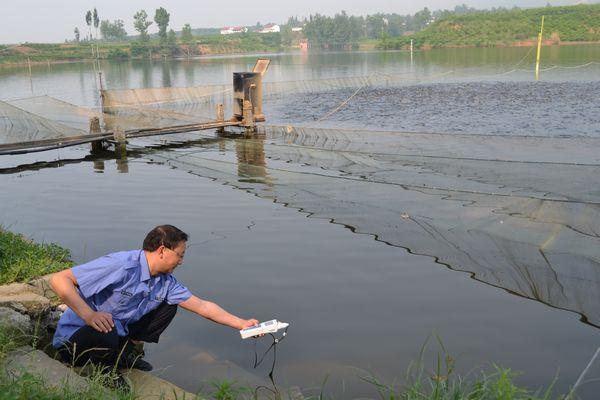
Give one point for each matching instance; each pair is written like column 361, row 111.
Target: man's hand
column 100, row 321
column 248, row 323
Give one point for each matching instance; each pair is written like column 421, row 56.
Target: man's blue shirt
column 119, row 284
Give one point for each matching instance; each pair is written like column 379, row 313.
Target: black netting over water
column 520, row 213
column 507, row 108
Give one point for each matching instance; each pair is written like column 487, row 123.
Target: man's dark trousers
column 89, row 345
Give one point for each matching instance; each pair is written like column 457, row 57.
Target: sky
column 54, row 21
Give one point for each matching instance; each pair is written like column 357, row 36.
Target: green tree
column 113, row 30
column 161, row 17
column 88, row 21
column 96, row 21
column 171, row 38
column 287, row 36
column 77, row 34
column 141, row 24
column 421, row 19
column 186, row 34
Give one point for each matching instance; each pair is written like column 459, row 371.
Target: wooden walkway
column 55, row 143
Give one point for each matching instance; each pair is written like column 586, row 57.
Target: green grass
column 10, row 339
column 22, row 260
column 211, row 44
column 420, row 383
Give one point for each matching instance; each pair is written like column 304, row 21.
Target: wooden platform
column 49, row 144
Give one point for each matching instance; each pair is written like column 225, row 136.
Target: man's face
column 172, row 257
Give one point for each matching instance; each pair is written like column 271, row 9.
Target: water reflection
column 98, row 166
column 166, row 73
column 121, row 158
column 146, row 69
column 251, row 161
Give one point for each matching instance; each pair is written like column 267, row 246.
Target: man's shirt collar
column 145, row 269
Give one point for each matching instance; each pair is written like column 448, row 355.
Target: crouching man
column 125, row 298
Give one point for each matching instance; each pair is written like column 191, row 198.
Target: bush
column 22, row 260
column 117, row 53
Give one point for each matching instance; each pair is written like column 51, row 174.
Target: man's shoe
column 118, row 382
column 131, row 360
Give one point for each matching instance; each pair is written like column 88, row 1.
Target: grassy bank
column 21, row 259
column 579, row 23
column 202, row 45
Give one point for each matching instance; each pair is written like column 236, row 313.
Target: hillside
column 579, row 23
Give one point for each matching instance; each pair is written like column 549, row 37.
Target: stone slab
column 38, row 363
column 15, row 320
column 148, row 386
column 20, row 295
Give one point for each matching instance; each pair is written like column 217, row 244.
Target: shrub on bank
column 22, row 260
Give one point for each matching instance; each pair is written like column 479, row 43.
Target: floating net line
column 518, row 213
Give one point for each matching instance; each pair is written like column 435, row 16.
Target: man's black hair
column 166, row 235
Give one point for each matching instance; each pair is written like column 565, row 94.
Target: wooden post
column 539, row 50
column 98, row 145
column 121, row 150
column 119, row 136
column 248, row 118
column 220, row 117
column 220, row 113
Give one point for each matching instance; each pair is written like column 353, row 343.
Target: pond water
column 480, row 227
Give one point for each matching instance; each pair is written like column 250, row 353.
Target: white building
column 270, row 28
column 228, row 30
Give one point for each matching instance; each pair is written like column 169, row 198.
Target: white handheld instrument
column 271, row 326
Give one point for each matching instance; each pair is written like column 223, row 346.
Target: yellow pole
column 539, row 50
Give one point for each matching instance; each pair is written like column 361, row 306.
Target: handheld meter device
column 271, row 326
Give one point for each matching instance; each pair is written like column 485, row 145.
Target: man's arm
column 65, row 286
column 214, row 312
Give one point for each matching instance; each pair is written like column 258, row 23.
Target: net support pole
column 98, row 145
column 120, row 144
column 539, row 50
column 30, row 76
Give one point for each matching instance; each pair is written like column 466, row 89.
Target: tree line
column 114, row 31
column 344, row 31
column 462, row 26
column 320, row 30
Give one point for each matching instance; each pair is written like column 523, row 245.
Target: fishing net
column 518, row 213
column 45, row 119
column 57, row 110
column 170, row 97
column 18, row 126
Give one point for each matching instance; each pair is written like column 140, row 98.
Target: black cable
column 257, row 362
